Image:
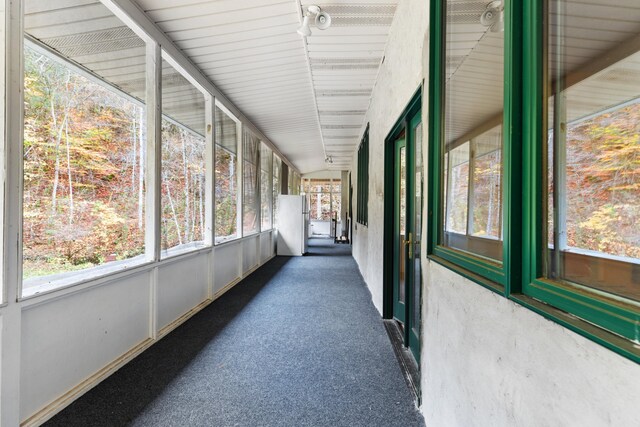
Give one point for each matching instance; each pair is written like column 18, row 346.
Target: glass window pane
column 417, row 227
column 183, row 163
column 320, row 206
column 84, row 146
column 276, row 187
column 594, row 177
column 266, row 193
column 336, row 200
column 459, row 189
column 250, row 199
column 487, row 185
column 473, row 105
column 226, row 192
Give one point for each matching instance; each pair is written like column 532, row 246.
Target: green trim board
column 610, row 321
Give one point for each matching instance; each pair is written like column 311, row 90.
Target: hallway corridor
column 297, row 343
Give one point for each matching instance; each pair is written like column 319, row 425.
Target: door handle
column 409, row 243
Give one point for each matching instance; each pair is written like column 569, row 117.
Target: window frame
column 59, row 282
column 618, row 318
column 362, row 202
column 238, row 178
column 491, row 274
column 269, row 194
column 276, row 188
column 248, row 134
column 209, row 161
column 606, row 320
column 331, row 182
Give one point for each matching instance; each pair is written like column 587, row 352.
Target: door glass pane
column 594, row 111
column 402, row 215
column 417, row 227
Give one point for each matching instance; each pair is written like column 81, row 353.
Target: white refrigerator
column 293, row 225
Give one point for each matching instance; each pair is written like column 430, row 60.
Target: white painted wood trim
column 12, row 170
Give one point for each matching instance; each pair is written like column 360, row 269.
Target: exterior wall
column 485, row 360
column 489, row 361
column 398, row 79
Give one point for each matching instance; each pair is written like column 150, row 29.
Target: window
column 226, row 191
column 266, row 191
column 554, row 178
column 84, row 154
column 325, row 198
column 472, row 219
column 277, row 166
column 590, row 252
column 362, row 207
column 250, row 184
column 296, row 183
column 293, row 182
column 467, row 144
column 183, row 170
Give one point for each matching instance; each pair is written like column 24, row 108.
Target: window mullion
column 240, row 179
column 154, row 151
column 210, row 149
column 559, row 181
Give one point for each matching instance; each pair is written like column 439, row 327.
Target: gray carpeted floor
column 297, row 343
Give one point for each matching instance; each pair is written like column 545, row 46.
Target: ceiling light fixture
column 493, row 16
column 304, row 29
column 322, row 20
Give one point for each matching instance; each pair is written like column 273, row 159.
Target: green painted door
column 407, row 232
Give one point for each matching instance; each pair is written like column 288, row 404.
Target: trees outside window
column 266, row 193
column 183, row 171
column 226, row 166
column 84, row 151
column 325, row 198
column 277, row 165
column 250, row 184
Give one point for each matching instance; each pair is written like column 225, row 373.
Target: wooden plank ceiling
column 308, row 95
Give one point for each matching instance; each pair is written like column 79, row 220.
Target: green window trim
column 608, row 321
column 362, row 207
column 496, row 273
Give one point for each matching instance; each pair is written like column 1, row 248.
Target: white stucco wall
column 491, row 362
column 398, row 79
column 486, row 361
